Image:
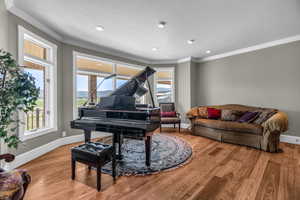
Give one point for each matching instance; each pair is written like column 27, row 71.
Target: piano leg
column 148, row 142
column 114, row 163
column 117, row 140
column 120, row 142
column 87, row 135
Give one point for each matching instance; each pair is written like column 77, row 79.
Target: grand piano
column 119, row 114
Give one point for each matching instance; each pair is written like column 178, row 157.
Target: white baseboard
column 39, row 151
column 290, row 139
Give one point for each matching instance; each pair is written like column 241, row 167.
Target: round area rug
column 167, row 152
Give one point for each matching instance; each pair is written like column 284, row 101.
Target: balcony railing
column 35, row 119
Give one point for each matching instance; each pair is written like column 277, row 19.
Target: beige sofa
column 263, row 136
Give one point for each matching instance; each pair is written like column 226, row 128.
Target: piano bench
column 94, row 154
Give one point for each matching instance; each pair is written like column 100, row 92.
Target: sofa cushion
column 169, row 120
column 231, row 115
column 230, row 126
column 213, row 113
column 243, row 108
column 264, row 116
column 239, row 107
column 202, row 112
column 249, row 117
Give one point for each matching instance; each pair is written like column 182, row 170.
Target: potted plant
column 18, row 93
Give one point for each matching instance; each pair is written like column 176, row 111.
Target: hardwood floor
column 216, row 171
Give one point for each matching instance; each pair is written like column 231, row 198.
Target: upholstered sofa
column 264, row 136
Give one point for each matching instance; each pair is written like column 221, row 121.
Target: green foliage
column 17, row 93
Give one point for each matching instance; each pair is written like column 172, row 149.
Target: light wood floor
column 216, row 171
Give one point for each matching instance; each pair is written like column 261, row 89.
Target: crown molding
column 163, row 62
column 183, row 60
column 105, row 50
column 176, row 61
column 10, row 6
column 251, row 48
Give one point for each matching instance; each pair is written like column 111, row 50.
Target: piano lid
column 123, row 98
column 135, row 84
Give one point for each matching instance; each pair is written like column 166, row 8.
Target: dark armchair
column 169, row 115
column 13, row 184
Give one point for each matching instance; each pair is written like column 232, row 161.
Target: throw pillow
column 264, row 116
column 202, row 112
column 231, row 115
column 168, row 114
column 213, row 113
column 249, row 117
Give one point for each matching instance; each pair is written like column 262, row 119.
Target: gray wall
column 193, row 80
column 13, row 22
column 268, row 77
column 3, row 26
column 186, row 78
column 183, row 88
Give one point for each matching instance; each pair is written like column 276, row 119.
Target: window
column 164, row 85
column 38, row 57
column 82, row 89
column 105, row 89
column 89, row 72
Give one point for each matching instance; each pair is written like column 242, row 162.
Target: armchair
column 13, row 184
column 169, row 115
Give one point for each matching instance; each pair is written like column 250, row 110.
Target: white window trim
column 77, row 54
column 92, row 73
column 165, row 69
column 52, row 60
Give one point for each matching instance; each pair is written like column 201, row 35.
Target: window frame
column 115, row 63
column 51, row 64
column 173, row 82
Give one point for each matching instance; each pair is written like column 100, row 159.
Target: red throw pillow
column 213, row 113
column 168, row 114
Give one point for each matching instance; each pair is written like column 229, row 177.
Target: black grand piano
column 120, row 115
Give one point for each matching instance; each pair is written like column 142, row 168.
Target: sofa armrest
column 192, row 113
column 276, row 123
column 272, row 128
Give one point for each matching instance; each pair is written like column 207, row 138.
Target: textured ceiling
column 131, row 26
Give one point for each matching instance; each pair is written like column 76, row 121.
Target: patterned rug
column 168, row 152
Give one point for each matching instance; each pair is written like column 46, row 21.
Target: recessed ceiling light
column 161, row 24
column 190, row 41
column 208, row 51
column 154, row 49
column 99, row 28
